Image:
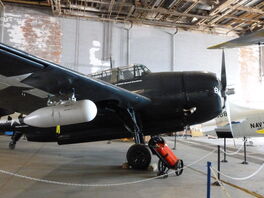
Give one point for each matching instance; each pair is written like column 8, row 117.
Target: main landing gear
column 15, row 137
column 138, row 155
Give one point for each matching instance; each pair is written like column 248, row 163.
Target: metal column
column 173, row 50
column 2, row 11
column 245, row 151
column 224, row 160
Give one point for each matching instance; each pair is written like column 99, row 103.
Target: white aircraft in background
column 246, row 122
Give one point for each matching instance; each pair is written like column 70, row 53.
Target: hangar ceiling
column 216, row 16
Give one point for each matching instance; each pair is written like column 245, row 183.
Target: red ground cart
column 167, row 159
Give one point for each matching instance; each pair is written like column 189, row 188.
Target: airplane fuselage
column 177, row 99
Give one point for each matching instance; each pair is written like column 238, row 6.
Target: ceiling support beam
column 1, row 4
column 161, row 11
column 115, row 13
column 148, row 22
column 131, row 10
column 56, row 7
column 176, row 2
column 203, row 15
column 120, row 8
column 222, row 15
column 39, row 3
column 250, row 10
column 111, row 8
column 171, row 12
column 256, row 25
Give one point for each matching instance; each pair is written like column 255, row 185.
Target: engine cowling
column 62, row 114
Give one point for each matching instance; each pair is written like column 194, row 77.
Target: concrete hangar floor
column 84, row 169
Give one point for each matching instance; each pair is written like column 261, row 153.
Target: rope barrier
column 77, row 184
column 228, row 153
column 242, row 178
column 233, row 153
column 220, row 183
column 205, row 156
column 99, row 185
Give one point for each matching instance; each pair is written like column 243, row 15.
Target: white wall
column 152, row 47
column 192, row 54
column 86, row 46
column 148, row 45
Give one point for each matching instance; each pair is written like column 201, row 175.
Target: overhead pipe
column 128, row 43
column 77, row 44
column 110, row 41
column 173, row 49
column 107, row 42
column 104, row 48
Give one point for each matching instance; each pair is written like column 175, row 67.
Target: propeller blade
column 226, row 107
column 223, row 78
column 223, row 72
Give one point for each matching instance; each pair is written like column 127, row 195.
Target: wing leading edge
column 250, row 39
column 26, row 81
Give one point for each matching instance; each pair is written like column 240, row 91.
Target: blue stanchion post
column 209, row 179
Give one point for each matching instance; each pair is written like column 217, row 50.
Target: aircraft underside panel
column 99, row 133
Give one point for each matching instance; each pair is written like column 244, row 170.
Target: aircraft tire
column 138, row 156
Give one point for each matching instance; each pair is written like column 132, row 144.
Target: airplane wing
column 249, row 39
column 27, row 81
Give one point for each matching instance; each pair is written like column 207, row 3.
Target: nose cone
column 203, row 91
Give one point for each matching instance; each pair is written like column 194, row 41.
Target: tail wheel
column 138, row 156
column 179, row 167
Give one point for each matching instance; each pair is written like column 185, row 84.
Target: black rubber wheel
column 12, row 145
column 179, row 168
column 163, row 169
column 138, row 156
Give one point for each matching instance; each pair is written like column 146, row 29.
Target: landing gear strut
column 138, row 135
column 17, row 135
column 138, row 155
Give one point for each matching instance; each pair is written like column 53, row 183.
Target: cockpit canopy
column 120, row 74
